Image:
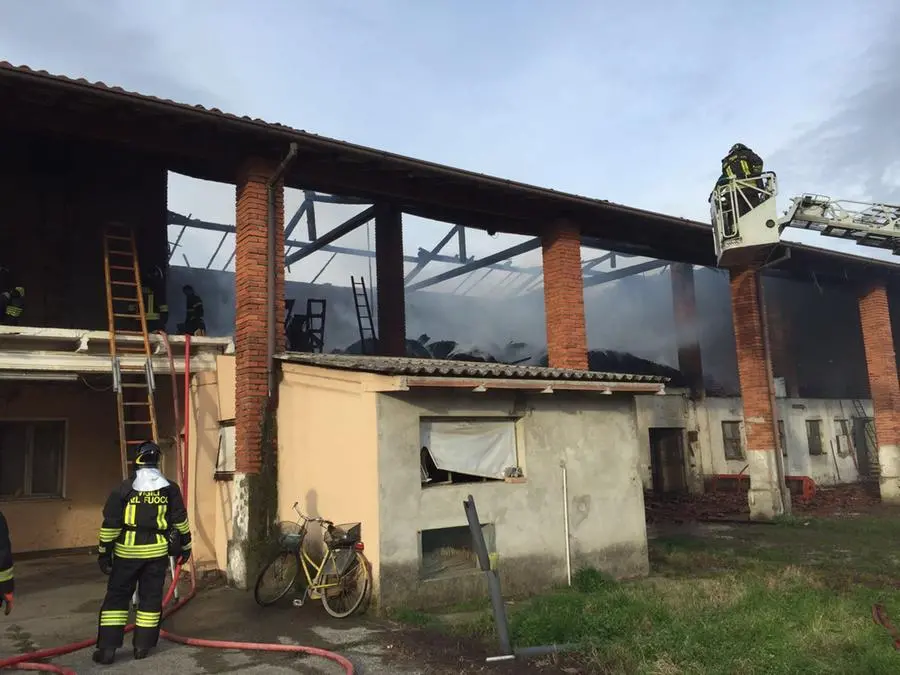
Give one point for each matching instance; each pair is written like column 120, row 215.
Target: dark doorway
column 667, row 460
column 866, row 449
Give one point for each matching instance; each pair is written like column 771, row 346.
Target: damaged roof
column 389, row 365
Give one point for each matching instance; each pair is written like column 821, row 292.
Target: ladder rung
column 130, row 332
column 118, row 237
column 134, row 385
column 122, row 299
column 124, row 268
column 116, row 282
column 131, row 350
column 126, row 316
column 134, row 443
column 144, row 403
column 144, row 422
column 118, row 251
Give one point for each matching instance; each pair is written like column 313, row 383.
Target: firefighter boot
column 141, row 653
column 104, row 656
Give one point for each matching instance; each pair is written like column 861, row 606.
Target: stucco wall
column 794, row 412
column 92, row 467
column 597, row 438
column 327, row 449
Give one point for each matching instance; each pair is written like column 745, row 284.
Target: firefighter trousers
column 149, row 576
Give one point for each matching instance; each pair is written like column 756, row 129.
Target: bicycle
column 343, row 566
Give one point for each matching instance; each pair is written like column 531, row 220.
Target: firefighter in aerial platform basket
column 742, row 163
column 7, row 583
column 144, row 522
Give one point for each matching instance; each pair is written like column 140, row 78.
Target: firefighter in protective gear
column 193, row 315
column 7, row 582
column 12, row 302
column 742, row 163
column 153, row 290
column 136, row 539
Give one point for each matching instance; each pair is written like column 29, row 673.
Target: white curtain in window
column 477, row 447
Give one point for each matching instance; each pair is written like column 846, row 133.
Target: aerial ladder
column 747, row 233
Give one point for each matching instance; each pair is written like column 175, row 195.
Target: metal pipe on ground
column 500, row 619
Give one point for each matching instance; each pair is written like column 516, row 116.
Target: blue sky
column 631, row 102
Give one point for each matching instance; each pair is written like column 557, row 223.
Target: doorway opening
column 667, row 461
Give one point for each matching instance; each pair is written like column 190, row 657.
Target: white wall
column 826, row 469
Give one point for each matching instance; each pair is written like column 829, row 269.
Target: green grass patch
column 794, row 598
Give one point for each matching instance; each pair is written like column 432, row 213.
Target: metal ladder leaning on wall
column 363, row 316
column 135, row 407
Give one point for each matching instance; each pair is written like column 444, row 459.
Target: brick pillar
column 564, row 298
column 881, row 364
column 755, row 377
column 254, row 468
column 389, row 271
column 684, row 305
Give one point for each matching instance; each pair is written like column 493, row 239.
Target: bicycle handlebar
column 310, row 519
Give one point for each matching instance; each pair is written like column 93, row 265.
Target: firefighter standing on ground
column 136, row 539
column 7, row 583
column 193, row 314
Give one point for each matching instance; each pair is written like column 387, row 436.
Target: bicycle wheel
column 353, row 584
column 277, row 578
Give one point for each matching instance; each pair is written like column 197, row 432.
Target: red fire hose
column 31, row 661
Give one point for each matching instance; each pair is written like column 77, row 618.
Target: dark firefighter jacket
column 742, row 164
column 7, row 583
column 136, row 524
column 194, row 313
column 15, row 302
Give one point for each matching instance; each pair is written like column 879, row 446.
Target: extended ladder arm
column 866, row 223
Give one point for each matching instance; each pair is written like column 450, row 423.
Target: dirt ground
column 58, row 599
column 732, row 505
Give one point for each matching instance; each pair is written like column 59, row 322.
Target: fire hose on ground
column 31, row 661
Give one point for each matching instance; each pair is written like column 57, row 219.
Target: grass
column 790, row 598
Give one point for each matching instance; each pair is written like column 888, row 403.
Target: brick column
column 881, row 364
column 389, row 271
column 684, row 305
column 755, row 377
column 564, row 297
column 254, row 486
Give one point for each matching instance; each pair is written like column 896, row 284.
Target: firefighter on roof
column 144, row 522
column 7, row 583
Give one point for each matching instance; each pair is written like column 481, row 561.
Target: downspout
column 270, row 265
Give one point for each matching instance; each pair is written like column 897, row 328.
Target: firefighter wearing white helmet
column 144, row 522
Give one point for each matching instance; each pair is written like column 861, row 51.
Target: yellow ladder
column 134, row 389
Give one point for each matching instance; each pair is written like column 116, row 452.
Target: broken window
column 225, row 454
column 448, row 551
column 814, row 436
column 842, row 440
column 782, row 438
column 466, row 450
column 732, row 441
column 32, row 459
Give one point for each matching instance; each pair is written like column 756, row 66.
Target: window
column 225, row 453
column 448, row 551
column 814, row 436
column 842, row 441
column 467, row 450
column 782, row 438
column 31, row 459
column 732, row 441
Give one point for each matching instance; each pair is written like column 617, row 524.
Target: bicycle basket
column 344, row 536
column 289, row 534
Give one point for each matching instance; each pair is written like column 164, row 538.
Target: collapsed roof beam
column 623, row 272
column 426, row 257
column 505, row 254
column 346, row 227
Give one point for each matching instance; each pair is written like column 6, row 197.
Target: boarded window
column 732, row 441
column 782, row 438
column 814, row 436
column 448, row 551
column 462, row 450
column 842, row 440
column 32, row 456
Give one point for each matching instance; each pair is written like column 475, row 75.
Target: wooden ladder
column 135, row 407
